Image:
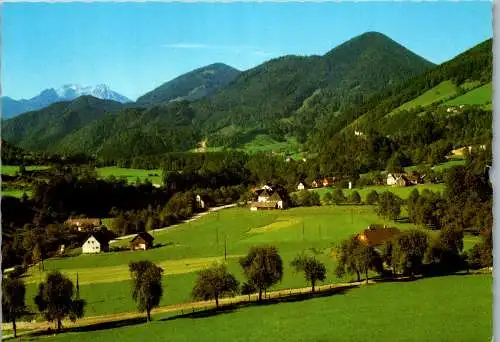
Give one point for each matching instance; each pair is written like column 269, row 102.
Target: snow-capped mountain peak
column 48, row 96
column 101, row 91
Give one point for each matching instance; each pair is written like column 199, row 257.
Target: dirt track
column 183, row 308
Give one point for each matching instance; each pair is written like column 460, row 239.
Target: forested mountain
column 272, row 96
column 191, row 86
column 42, row 130
column 375, row 135
column 321, row 99
column 136, row 132
column 282, row 97
column 68, row 92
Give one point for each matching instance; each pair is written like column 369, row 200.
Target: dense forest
column 278, row 98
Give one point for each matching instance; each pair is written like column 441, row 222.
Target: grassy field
column 154, row 176
column 402, row 192
column 453, row 308
column 11, row 170
column 440, row 92
column 189, row 247
column 440, row 167
column 478, row 96
column 264, row 143
column 15, row 192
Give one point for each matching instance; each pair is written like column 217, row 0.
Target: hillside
column 277, row 101
column 416, row 122
column 191, row 86
column 42, row 130
column 135, row 132
column 270, row 96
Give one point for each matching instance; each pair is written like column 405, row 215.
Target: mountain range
column 288, row 98
column 11, row 107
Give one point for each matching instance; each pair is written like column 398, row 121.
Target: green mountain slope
column 135, row 132
column 466, row 71
column 478, row 96
column 264, row 97
column 278, row 101
column 411, row 123
column 191, row 86
column 42, row 130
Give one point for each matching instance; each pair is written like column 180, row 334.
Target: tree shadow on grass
column 91, row 327
column 286, row 298
column 407, row 279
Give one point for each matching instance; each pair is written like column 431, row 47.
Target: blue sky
column 135, row 47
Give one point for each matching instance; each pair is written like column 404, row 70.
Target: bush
column 372, row 197
column 355, row 198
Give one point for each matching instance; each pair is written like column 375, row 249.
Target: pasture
column 11, row 170
column 189, row 247
column 154, row 176
column 452, row 308
column 402, row 192
column 16, row 192
column 478, row 96
column 442, row 91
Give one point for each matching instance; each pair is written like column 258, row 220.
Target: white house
column 95, row 245
column 392, row 178
column 301, row 186
column 200, row 202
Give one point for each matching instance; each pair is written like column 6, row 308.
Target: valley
column 323, row 197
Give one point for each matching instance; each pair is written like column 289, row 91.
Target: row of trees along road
column 56, row 299
column 409, row 253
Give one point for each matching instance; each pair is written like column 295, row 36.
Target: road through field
column 195, row 217
column 185, row 307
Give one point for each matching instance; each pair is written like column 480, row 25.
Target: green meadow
column 154, row 176
column 478, row 96
column 442, row 91
column 189, row 247
column 16, row 192
column 402, row 192
column 452, row 308
column 11, row 170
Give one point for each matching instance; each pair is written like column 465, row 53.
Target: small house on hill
column 301, row 186
column 96, row 243
column 328, row 181
column 202, row 201
column 271, row 198
column 376, row 235
column 397, row 179
column 82, row 224
column 142, row 241
column 317, row 183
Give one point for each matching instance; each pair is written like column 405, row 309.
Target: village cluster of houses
column 317, row 183
column 99, row 237
column 405, row 179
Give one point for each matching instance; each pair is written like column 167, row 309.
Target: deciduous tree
column 313, row 269
column 263, row 267
column 55, row 299
column 13, row 305
column 408, row 251
column 147, row 288
column 214, row 282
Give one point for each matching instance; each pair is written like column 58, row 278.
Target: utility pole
column 225, row 247
column 77, row 287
